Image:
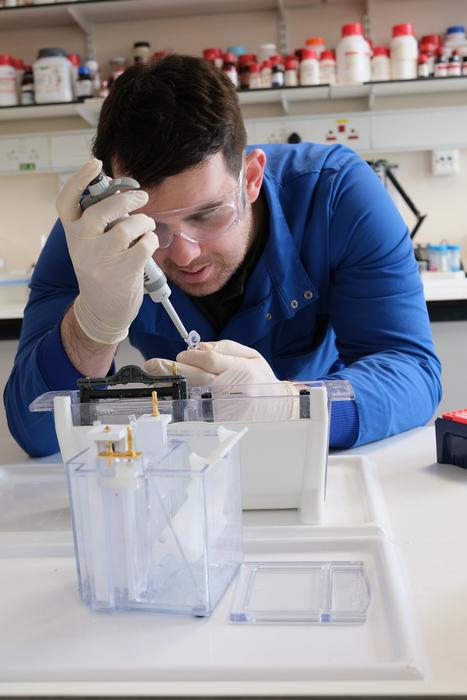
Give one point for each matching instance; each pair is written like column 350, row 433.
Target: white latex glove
column 225, row 366
column 109, row 272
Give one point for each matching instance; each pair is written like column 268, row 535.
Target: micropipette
column 155, row 282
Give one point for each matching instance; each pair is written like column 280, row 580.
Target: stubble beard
column 224, row 265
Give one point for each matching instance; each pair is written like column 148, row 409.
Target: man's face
column 201, row 267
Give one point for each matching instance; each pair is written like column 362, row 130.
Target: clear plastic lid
column 321, row 592
column 226, row 403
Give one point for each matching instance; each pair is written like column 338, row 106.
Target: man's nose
column 183, row 251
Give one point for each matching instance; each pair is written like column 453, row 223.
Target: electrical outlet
column 445, row 162
column 24, row 154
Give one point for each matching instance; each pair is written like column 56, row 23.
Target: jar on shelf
column 95, row 75
column 428, row 49
column 75, row 61
column 327, row 68
column 404, row 52
column 316, row 44
column 117, row 67
column 27, row 87
column 291, row 72
column 266, row 51
column 454, row 258
column 441, row 64
column 309, row 68
column 214, row 56
column 380, row 64
column 277, row 77
column 454, row 67
column 423, row 70
column 266, row 74
column 254, row 82
column 83, row 84
column 53, row 77
column 438, row 260
column 244, row 63
column 229, row 67
column 237, row 50
column 454, row 39
column 141, row 52
column 18, row 65
column 353, row 55
column 8, row 91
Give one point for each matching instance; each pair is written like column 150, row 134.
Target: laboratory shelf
column 98, row 11
column 89, row 110
column 47, row 111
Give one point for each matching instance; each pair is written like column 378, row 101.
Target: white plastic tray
column 49, row 635
column 354, row 505
column 34, row 506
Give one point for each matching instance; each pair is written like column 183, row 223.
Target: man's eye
column 203, row 216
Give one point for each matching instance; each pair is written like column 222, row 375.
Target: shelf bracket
column 285, row 102
column 88, row 29
column 283, row 37
column 371, row 98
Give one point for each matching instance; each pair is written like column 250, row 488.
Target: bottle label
column 52, row 82
column 356, row 66
column 7, row 91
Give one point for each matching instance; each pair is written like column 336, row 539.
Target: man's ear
column 255, row 163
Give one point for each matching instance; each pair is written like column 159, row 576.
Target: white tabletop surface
column 428, row 521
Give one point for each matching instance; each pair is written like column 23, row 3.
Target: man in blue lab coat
column 291, row 261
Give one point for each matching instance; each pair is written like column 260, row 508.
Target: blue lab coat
column 336, row 293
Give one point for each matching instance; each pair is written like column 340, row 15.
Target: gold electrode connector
column 155, row 404
column 109, row 451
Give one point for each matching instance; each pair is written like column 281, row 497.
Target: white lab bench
column 51, row 644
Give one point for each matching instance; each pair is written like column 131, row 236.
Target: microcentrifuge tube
column 193, row 340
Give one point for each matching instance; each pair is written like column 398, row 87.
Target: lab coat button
column 268, row 316
column 294, row 304
column 308, row 294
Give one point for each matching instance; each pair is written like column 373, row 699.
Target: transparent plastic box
column 283, row 429
column 158, row 533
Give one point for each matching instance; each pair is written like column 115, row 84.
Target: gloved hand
column 233, row 370
column 109, row 271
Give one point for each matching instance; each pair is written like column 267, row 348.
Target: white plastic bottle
column 266, row 74
column 309, row 68
column 8, row 91
column 53, row 79
column 455, row 39
column 255, row 76
column 380, row 64
column 266, row 51
column 327, row 68
column 353, row 55
column 404, row 52
column 316, row 44
column 291, row 72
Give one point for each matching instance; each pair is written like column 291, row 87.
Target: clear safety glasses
column 198, row 224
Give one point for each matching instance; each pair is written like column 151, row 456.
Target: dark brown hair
column 161, row 119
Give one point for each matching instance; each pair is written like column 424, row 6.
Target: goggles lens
column 197, row 225
column 203, row 225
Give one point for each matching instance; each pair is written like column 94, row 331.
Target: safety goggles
column 198, row 224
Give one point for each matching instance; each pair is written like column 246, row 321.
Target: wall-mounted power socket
column 445, row 162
